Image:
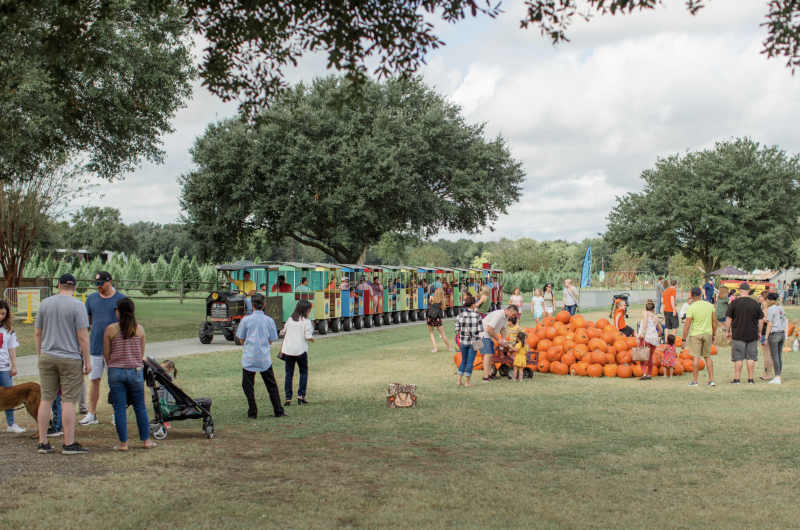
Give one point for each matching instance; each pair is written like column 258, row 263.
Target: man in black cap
column 62, row 348
column 741, row 328
column 100, row 307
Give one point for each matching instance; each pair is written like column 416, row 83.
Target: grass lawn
column 162, row 319
column 551, row 452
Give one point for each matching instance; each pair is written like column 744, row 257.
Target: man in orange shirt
column 671, row 322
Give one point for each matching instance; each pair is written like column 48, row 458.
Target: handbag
column 641, row 352
column 433, row 312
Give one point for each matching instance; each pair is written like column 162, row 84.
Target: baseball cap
column 67, row 279
column 696, row 291
column 744, row 286
column 102, row 276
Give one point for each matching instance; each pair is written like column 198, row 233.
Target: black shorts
column 671, row 321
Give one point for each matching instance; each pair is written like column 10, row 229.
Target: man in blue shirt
column 437, row 284
column 257, row 331
column 708, row 291
column 100, row 307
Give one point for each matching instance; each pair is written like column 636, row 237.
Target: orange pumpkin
column 602, row 323
column 570, row 336
column 590, row 324
column 568, row 359
column 662, row 371
column 559, row 368
column 580, row 351
column 611, row 328
column 594, row 333
column 637, row 370
column 544, row 345
column 559, row 341
column 632, row 342
column 569, row 346
column 578, row 321
column 702, row 365
column 678, row 370
column 678, row 342
column 540, row 333
column 687, row 365
column 610, row 370
column 544, row 366
column 685, row 355
column 549, row 321
column 714, row 350
column 563, row 317
column 582, row 369
column 553, row 353
column 533, row 340
column 582, row 338
column 598, row 345
column 624, row 357
column 656, row 361
column 573, row 370
column 612, row 350
column 610, row 358
column 654, row 372
column 624, row 371
column 621, row 345
column 550, row 333
column 595, row 370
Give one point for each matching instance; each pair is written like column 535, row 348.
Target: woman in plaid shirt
column 468, row 325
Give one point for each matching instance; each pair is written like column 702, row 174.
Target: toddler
column 668, row 359
column 512, row 328
column 520, row 350
column 537, row 305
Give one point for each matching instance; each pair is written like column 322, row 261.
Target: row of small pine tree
column 178, row 270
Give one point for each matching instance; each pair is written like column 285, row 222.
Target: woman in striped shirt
column 123, row 346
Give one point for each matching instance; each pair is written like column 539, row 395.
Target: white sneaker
column 16, row 429
column 112, row 421
column 90, row 419
column 774, row 381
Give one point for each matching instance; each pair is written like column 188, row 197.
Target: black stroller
column 170, row 403
column 624, row 298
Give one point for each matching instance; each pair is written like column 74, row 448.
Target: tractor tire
column 404, row 317
column 229, row 336
column 336, row 325
column 412, row 315
column 367, row 321
column 347, row 324
column 205, row 337
column 322, row 327
column 237, row 340
column 377, row 320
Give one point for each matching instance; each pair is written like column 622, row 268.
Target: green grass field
column 551, row 452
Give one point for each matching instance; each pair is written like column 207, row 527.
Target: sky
column 585, row 117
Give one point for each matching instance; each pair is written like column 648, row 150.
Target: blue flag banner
column 586, row 274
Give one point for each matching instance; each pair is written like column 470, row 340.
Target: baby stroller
column 170, row 403
column 624, row 298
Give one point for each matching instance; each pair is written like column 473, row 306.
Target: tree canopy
column 250, row 43
column 99, row 79
column 736, row 202
column 99, row 229
column 403, row 159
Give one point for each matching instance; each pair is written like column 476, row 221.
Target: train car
column 409, row 294
column 352, row 311
column 330, row 297
column 373, row 303
column 294, row 273
column 447, row 279
column 392, row 285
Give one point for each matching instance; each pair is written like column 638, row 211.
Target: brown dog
column 14, row 396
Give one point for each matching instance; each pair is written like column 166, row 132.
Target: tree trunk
column 363, row 258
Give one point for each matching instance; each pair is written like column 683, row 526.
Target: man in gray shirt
column 659, row 293
column 62, row 349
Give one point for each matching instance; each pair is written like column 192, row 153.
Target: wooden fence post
column 181, row 292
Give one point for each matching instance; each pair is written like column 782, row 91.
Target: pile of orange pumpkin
column 572, row 345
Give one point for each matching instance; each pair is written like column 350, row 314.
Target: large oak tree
column 250, row 43
column 402, row 159
column 736, row 202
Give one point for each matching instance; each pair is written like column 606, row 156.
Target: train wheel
column 377, row 320
column 387, row 319
column 358, row 322
column 396, row 317
column 322, row 327
column 503, row 371
column 421, row 314
column 412, row 316
column 491, row 307
column 527, row 373
column 449, row 312
column 367, row 321
column 336, row 325
column 347, row 324
column 404, row 317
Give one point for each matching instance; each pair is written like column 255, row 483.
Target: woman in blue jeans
column 297, row 333
column 123, row 346
column 468, row 326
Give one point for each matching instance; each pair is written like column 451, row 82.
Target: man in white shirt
column 494, row 326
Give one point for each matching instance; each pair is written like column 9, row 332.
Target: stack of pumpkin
column 572, row 345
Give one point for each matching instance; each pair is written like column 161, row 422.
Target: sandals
column 302, row 400
column 116, row 448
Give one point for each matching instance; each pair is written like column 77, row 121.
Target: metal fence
column 19, row 298
column 594, row 299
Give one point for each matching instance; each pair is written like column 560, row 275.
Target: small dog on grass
column 29, row 394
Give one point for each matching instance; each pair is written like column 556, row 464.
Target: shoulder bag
column 641, row 352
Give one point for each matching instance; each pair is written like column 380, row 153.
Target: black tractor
column 224, row 311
